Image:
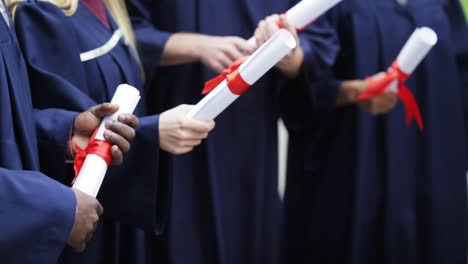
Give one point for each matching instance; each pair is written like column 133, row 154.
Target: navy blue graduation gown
column 36, row 212
column 367, row 189
column 133, row 195
column 225, row 203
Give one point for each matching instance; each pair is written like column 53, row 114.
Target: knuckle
column 231, row 48
column 180, row 123
column 109, row 133
column 96, row 203
column 81, row 248
column 89, row 228
column 234, row 40
column 118, row 125
column 226, row 48
column 181, row 137
column 219, row 68
column 125, row 146
column 95, row 218
column 132, row 133
column 112, row 125
column 128, row 147
column 183, row 123
column 81, row 239
column 181, row 144
column 219, row 56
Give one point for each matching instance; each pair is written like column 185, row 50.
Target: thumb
column 286, row 25
column 103, row 110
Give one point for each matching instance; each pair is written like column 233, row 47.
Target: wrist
column 182, row 48
column 196, row 45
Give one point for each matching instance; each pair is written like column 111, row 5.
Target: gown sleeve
column 131, row 192
column 37, row 214
column 315, row 88
column 150, row 40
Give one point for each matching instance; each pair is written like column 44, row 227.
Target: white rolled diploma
column 414, row 51
column 94, row 168
column 267, row 56
column 304, row 13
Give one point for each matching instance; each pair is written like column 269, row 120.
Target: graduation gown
column 225, row 203
column 62, row 85
column 36, row 212
column 368, row 189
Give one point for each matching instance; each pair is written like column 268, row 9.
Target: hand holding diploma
column 218, row 53
column 119, row 133
column 415, row 50
column 215, row 52
column 350, row 90
column 291, row 64
column 101, row 136
column 237, row 79
column 88, row 211
column 303, row 14
column 179, row 134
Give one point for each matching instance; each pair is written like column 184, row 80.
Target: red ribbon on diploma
column 378, row 86
column 236, row 84
column 98, row 147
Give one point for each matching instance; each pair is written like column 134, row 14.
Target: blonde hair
column 117, row 9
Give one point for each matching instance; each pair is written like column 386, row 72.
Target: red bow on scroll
column 97, row 147
column 236, row 84
column 378, row 86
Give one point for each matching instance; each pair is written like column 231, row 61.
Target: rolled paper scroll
column 228, row 86
column 415, row 50
column 91, row 163
column 304, row 13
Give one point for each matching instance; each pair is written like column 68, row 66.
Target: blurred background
column 465, row 6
